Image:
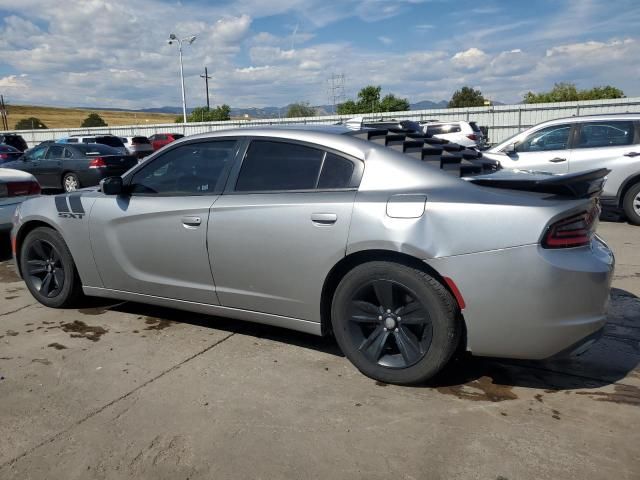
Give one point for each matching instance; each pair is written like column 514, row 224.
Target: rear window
column 111, row 141
column 139, row 140
column 443, row 129
column 8, row 148
column 475, row 127
column 89, row 140
column 176, row 136
column 96, row 149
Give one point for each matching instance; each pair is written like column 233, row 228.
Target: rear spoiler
column 577, row 185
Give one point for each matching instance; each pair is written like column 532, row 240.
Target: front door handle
column 631, row 154
column 324, row 218
column 191, row 221
column 558, row 160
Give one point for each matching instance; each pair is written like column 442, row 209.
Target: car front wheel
column 48, row 269
column 395, row 323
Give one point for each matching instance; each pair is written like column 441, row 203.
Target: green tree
column 567, row 92
column 204, row 114
column 466, row 97
column 301, row 109
column 93, row 120
column 31, row 123
column 368, row 101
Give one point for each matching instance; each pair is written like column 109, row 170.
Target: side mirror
column 510, row 149
column 112, row 186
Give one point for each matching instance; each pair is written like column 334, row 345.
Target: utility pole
column 206, row 83
column 3, row 114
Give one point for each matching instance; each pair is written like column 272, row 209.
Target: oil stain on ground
column 626, row 394
column 79, row 329
column 482, row 389
column 57, row 346
column 8, row 274
column 154, row 323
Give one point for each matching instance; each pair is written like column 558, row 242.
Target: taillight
column 472, row 136
column 19, row 189
column 4, row 156
column 574, row 231
column 97, row 162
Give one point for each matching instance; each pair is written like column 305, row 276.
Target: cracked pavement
column 125, row 390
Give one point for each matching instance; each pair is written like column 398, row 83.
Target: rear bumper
column 531, row 303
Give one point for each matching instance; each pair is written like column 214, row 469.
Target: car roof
column 591, row 118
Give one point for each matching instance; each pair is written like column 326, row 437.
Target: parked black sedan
column 8, row 153
column 72, row 166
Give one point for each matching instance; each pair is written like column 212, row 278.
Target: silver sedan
column 331, row 231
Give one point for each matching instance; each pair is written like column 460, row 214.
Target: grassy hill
column 55, row 117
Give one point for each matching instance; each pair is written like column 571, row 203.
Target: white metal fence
column 501, row 121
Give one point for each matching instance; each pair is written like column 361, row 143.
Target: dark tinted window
column 55, row 151
column 279, row 166
column 475, row 127
column 443, row 129
column 37, row 153
column 336, row 172
column 8, row 148
column 176, row 136
column 111, row 141
column 125, row 140
column 140, row 140
column 193, row 169
column 72, row 140
column 95, row 149
column 67, row 153
column 89, row 140
column 605, row 134
column 555, row 137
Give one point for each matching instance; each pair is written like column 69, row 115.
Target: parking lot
column 131, row 391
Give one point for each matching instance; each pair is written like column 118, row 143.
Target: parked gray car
column 326, row 230
column 577, row 144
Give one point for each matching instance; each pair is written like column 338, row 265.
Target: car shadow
column 5, row 247
column 611, row 359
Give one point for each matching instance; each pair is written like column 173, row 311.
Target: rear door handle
column 324, row 218
column 631, row 154
column 558, row 160
column 191, row 221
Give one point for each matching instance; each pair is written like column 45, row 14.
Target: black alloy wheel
column 45, row 268
column 389, row 324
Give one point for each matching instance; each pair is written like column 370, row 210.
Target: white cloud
column 385, row 40
column 471, row 59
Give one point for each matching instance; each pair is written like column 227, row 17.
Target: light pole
column 179, row 41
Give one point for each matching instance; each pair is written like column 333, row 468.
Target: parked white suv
column 460, row 132
column 139, row 146
column 576, row 144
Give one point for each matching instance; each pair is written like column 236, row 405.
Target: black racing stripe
column 76, row 203
column 61, row 203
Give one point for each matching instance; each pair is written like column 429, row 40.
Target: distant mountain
column 428, row 105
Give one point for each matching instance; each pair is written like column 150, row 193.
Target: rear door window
column 111, row 141
column 605, row 134
column 282, row 166
column 55, row 151
column 443, row 129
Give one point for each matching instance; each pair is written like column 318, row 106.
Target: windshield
column 96, row 149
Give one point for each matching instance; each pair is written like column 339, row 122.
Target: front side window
column 192, row 169
column 549, row 138
column 37, row 153
column 605, row 134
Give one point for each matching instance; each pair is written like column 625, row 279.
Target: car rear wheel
column 631, row 204
column 396, row 324
column 48, row 269
column 70, row 182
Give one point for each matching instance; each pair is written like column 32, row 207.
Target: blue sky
column 113, row 53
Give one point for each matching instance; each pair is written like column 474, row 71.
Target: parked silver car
column 15, row 187
column 577, row 144
column 327, row 230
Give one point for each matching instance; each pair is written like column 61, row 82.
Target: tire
column 44, row 254
column 70, row 182
column 631, row 204
column 429, row 333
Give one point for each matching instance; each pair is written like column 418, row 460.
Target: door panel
column 272, row 252
column 51, row 166
column 145, row 244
